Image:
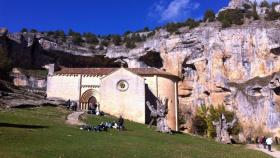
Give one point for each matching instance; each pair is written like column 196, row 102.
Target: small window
column 122, row 85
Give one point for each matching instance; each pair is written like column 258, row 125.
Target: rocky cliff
column 238, row 67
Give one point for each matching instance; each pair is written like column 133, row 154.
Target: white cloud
column 174, row 11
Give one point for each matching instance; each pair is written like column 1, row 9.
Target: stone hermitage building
column 118, row 91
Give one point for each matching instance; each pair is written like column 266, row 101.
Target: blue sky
column 100, row 16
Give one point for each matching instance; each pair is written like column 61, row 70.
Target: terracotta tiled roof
column 107, row 71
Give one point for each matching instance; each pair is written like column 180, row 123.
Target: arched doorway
column 89, row 99
column 92, row 103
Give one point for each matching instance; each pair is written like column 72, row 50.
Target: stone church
column 117, row 91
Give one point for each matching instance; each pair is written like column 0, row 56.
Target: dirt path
column 274, row 152
column 73, row 118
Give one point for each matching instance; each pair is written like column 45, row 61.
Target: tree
column 264, row 3
column 77, row 38
column 91, row 38
column 116, row 39
column 24, row 30
column 209, row 16
column 191, row 23
column 33, row 30
column 130, row 44
column 255, row 13
column 146, row 29
column 70, row 32
column 231, row 16
column 247, row 6
column 272, row 15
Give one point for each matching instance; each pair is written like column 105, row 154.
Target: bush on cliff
column 231, row 16
column 202, row 123
column 209, row 16
column 272, row 14
column 264, row 3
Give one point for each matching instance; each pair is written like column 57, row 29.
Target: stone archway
column 89, row 98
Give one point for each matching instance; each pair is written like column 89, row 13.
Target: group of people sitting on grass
column 104, row 126
column 265, row 142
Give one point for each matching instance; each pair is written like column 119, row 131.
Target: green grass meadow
column 42, row 133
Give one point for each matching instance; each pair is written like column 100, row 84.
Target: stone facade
column 118, row 91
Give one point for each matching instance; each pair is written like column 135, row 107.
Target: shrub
column 247, row 6
column 104, row 43
column 209, row 16
column 116, row 39
column 231, row 16
column 192, row 23
column 24, row 30
column 173, row 27
column 199, row 125
column 130, row 44
column 150, row 34
column 210, row 114
column 33, row 30
column 255, row 13
column 272, row 15
column 91, row 38
column 77, row 39
column 264, row 3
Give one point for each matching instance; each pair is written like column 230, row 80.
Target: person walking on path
column 264, row 142
column 257, row 141
column 276, row 140
column 269, row 143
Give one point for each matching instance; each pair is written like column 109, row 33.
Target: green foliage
column 247, row 6
column 254, row 12
column 210, row 114
column 104, row 43
column 231, row 16
column 200, row 125
column 272, row 14
column 24, row 30
column 116, row 39
column 130, row 44
column 76, row 37
column 173, row 27
column 71, row 32
column 150, row 34
column 265, row 3
column 91, row 38
column 192, row 23
column 146, row 29
column 209, row 16
column 33, row 31
column 133, row 38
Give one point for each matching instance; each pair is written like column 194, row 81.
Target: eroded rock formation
column 237, row 66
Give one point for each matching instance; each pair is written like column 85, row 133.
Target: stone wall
column 130, row 102
column 64, row 87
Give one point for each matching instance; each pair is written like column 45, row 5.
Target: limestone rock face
column 238, row 3
column 237, row 67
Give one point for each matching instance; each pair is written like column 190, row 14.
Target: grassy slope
column 60, row 140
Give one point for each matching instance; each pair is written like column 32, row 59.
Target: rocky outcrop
column 238, row 3
column 237, row 66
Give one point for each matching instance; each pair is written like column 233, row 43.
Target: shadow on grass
column 22, row 126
